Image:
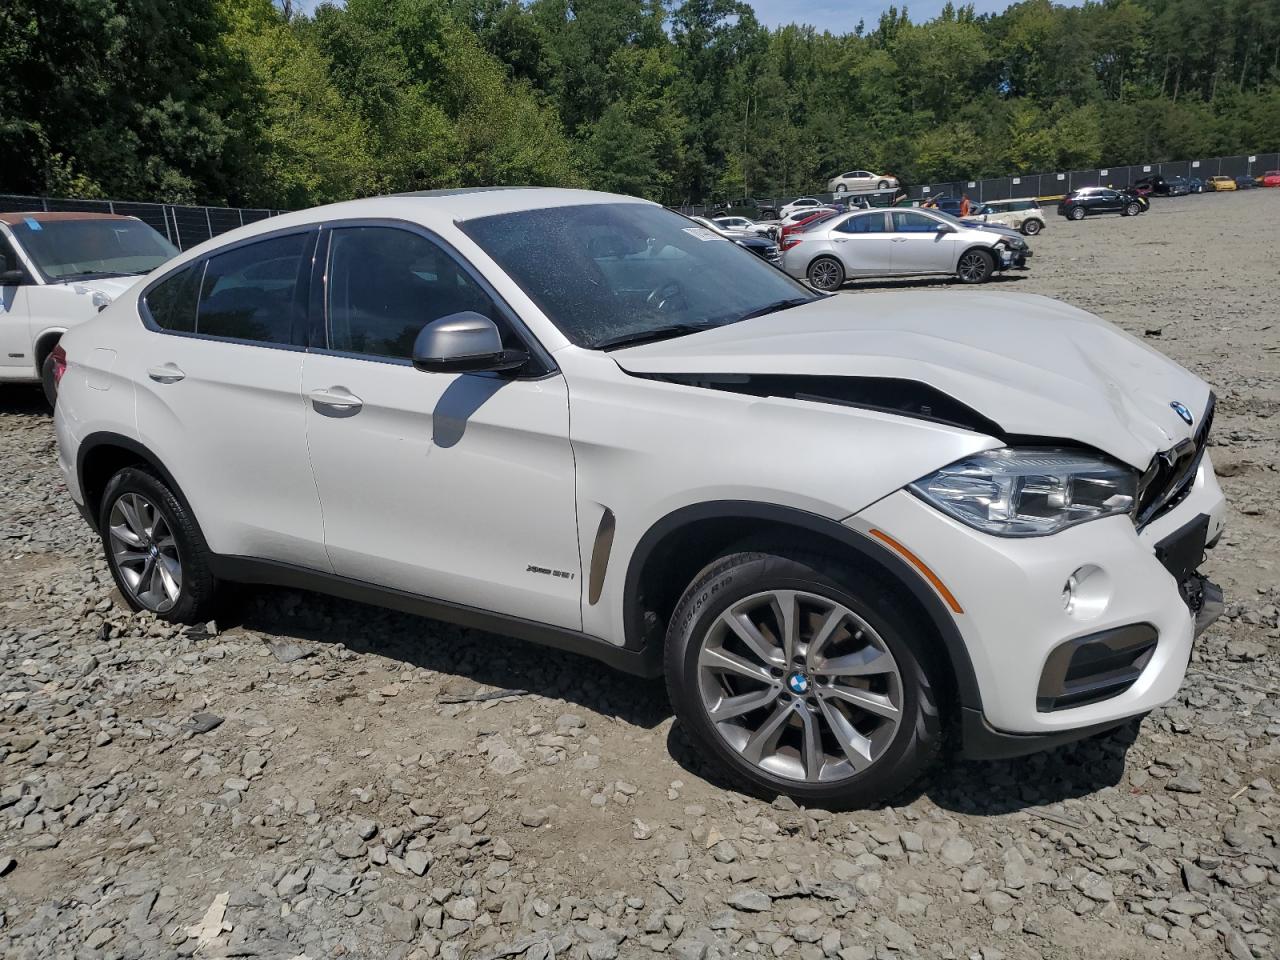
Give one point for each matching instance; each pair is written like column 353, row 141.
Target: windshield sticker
column 33, row 224
column 702, row 233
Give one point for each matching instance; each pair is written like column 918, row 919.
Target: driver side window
column 385, row 284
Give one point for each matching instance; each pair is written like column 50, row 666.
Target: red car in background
column 1270, row 179
column 799, row 223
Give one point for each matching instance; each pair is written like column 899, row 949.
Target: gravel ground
column 309, row 777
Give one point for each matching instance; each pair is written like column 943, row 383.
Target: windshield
column 85, row 249
column 610, row 273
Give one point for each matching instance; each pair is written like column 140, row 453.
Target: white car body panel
column 448, row 486
column 860, row 181
column 457, row 486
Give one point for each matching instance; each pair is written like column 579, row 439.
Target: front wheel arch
column 677, row 547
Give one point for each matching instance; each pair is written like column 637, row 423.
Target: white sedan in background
column 895, row 243
column 799, row 203
column 861, row 181
column 747, row 225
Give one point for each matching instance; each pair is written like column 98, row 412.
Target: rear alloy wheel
column 1132, row 210
column 1031, row 227
column 798, row 686
column 156, row 552
column 826, row 274
column 975, row 266
column 1076, row 213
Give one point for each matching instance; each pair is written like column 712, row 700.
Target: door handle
column 336, row 398
column 166, row 373
column 899, row 239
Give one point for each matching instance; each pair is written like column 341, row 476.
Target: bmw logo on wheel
column 1181, row 410
column 798, row 683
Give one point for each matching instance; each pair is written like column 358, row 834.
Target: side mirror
column 946, row 228
column 11, row 278
column 463, row 342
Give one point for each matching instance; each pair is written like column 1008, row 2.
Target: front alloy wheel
column 975, row 266
column 1132, row 210
column 800, row 686
column 801, row 676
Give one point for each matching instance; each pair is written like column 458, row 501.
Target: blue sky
column 838, row 16
column 841, row 16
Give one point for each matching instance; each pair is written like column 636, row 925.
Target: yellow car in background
column 1220, row 183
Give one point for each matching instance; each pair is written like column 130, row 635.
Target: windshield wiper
column 775, row 307
column 89, row 275
column 650, row 335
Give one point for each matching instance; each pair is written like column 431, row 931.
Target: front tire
column 1076, row 213
column 156, row 552
column 1031, row 227
column 841, row 188
column 826, row 274
column 801, row 676
column 1132, row 210
column 884, row 184
column 975, row 266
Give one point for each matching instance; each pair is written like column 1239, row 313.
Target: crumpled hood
column 1035, row 366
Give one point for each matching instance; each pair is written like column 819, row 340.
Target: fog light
column 1086, row 593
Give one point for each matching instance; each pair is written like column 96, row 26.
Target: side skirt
column 643, row 663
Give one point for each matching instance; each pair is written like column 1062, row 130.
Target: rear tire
column 1031, row 227
column 777, row 715
column 975, row 266
column 46, row 380
column 156, row 552
column 1076, row 213
column 826, row 274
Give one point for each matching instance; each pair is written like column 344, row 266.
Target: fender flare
column 107, row 438
column 862, row 546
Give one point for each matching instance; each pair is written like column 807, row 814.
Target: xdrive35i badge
column 1181, row 410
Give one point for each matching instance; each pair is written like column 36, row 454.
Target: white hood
column 1035, row 366
column 111, row 287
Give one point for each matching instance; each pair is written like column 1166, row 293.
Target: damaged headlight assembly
column 1030, row 491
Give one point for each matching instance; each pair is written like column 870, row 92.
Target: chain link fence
column 184, row 226
column 1044, row 185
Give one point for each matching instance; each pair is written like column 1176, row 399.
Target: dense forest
column 250, row 102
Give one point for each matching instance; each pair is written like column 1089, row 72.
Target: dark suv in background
column 1087, row 201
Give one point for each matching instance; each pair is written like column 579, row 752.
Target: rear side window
column 253, row 292
column 869, row 223
column 172, row 301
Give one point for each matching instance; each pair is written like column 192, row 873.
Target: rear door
column 218, row 395
column 920, row 245
column 864, row 244
column 458, row 487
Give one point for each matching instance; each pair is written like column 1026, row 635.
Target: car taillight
column 790, row 242
column 59, row 358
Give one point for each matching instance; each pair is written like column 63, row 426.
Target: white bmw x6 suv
column 837, row 525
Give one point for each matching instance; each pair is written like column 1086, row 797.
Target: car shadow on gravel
column 984, row 788
column 467, row 660
column 23, row 400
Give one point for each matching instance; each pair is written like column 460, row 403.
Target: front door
column 15, row 333
column 920, row 245
column 457, row 487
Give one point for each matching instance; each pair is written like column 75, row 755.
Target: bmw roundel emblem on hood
column 1181, row 410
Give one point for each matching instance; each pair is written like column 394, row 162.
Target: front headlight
column 1030, row 491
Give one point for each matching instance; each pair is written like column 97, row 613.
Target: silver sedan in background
column 898, row 243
